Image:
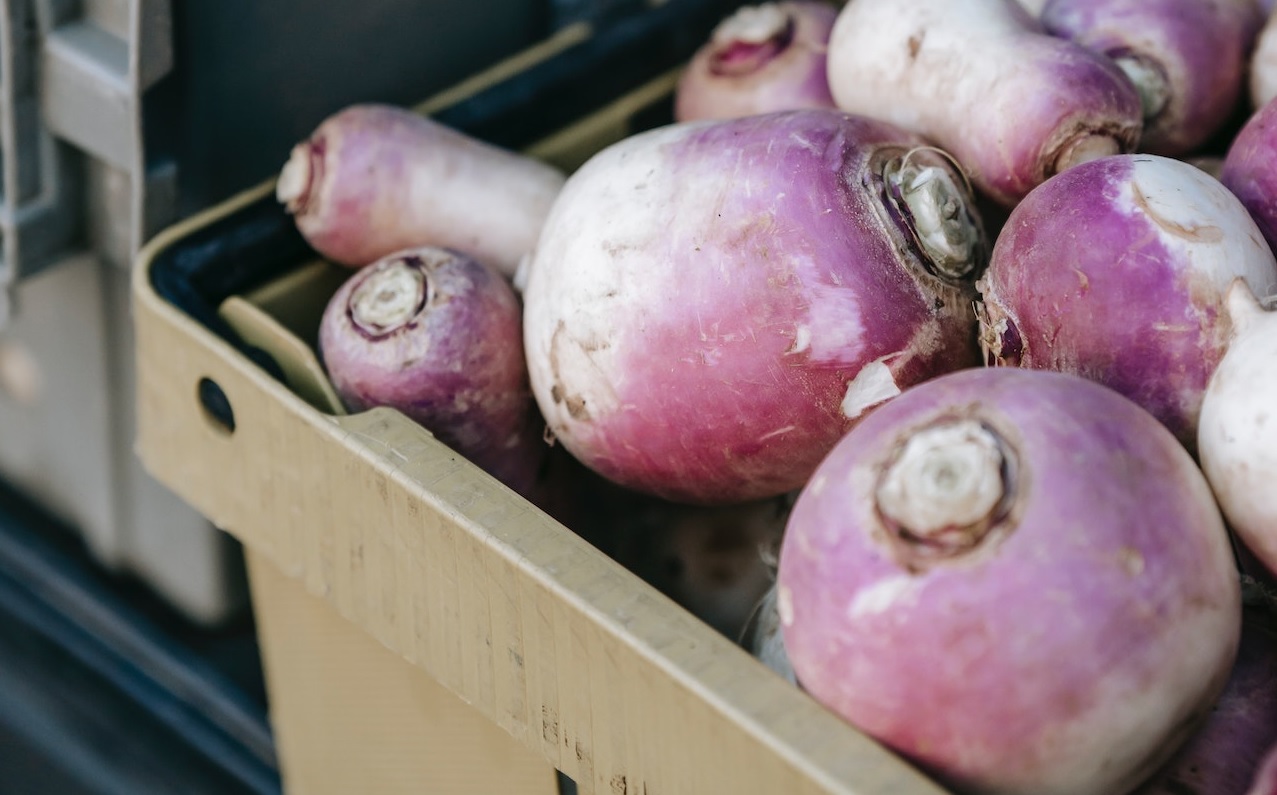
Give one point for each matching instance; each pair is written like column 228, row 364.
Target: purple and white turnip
column 1237, row 434
column 1117, row 270
column 437, row 335
column 375, row 179
column 1188, row 59
column 712, row 304
column 1019, row 580
column 1250, row 169
column 982, row 79
column 762, row 58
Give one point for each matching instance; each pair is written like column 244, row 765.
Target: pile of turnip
column 929, row 350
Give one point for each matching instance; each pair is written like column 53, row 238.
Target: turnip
column 1263, row 64
column 374, row 179
column 1117, row 270
column 762, row 58
column 1016, row 579
column 1187, row 58
column 1250, row 169
column 438, row 335
column 983, row 80
column 1223, row 757
column 712, row 304
column 1237, row 436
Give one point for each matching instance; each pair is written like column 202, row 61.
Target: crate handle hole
column 217, row 407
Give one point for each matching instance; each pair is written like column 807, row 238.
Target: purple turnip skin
column 1250, row 169
column 1017, row 579
column 1118, row 270
column 712, row 304
column 438, row 335
column 762, row 58
column 1188, row 58
column 1223, row 757
column 984, row 81
column 375, row 179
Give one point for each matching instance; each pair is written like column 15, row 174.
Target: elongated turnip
column 1117, row 270
column 762, row 58
column 1224, row 756
column 712, row 304
column 374, row 179
column 1237, row 436
column 1263, row 65
column 983, row 80
column 438, row 336
column 1188, row 58
column 1250, row 169
column 1019, row 580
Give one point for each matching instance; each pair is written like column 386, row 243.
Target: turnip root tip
column 947, row 488
column 389, row 298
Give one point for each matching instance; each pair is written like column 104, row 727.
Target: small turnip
column 1250, row 169
column 982, row 79
column 1117, row 270
column 762, row 58
column 1237, row 435
column 1016, row 579
column 1187, row 58
column 437, row 335
column 712, row 304
column 374, row 179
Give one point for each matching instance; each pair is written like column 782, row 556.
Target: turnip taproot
column 374, row 179
column 983, row 80
column 763, row 639
column 438, row 335
column 1237, row 435
column 760, row 59
column 1250, row 169
column 1187, row 58
column 712, row 304
column 1117, row 270
column 1017, row 579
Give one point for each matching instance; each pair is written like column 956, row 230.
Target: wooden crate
column 424, row 628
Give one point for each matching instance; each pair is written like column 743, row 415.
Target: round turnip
column 983, row 80
column 1117, row 270
column 1250, row 169
column 374, row 179
column 1187, row 58
column 1237, row 435
column 712, row 304
column 762, row 58
column 1017, row 579
column 437, row 335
